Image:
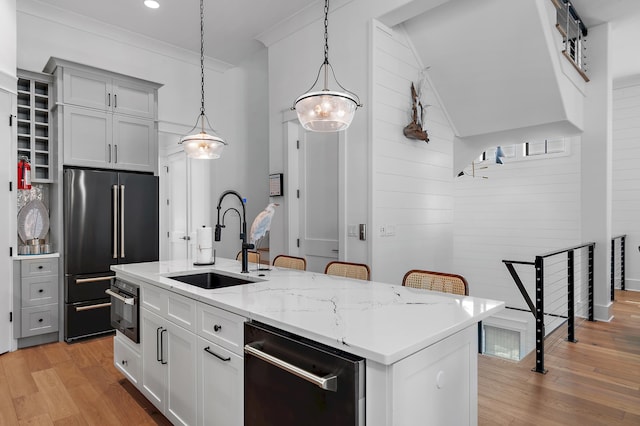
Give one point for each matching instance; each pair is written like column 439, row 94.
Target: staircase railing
column 617, row 263
column 574, row 35
column 555, row 310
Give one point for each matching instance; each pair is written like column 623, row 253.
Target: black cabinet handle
column 124, row 362
column 40, row 320
column 161, row 347
column 217, row 327
column 40, row 266
column 207, row 350
column 158, row 345
column 40, row 291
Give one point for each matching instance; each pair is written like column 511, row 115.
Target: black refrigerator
column 110, row 218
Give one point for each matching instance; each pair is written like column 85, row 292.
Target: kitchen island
column 420, row 347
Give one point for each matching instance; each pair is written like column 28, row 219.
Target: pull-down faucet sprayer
column 243, row 228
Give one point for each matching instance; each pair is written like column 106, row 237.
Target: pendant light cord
column 202, row 61
column 326, row 32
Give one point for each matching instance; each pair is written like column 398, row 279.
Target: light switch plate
column 363, row 232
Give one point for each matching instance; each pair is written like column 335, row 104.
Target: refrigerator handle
column 115, row 220
column 122, row 221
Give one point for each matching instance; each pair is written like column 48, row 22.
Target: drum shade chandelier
column 326, row 110
column 202, row 145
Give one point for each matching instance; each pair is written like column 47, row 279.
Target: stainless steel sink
column 210, row 280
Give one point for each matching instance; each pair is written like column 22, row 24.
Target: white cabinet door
column 87, row 137
column 438, row 383
column 126, row 358
column 220, row 386
column 134, row 143
column 133, row 98
column 84, row 88
column 154, row 372
column 181, row 376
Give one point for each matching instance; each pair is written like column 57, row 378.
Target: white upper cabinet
column 105, row 120
column 106, row 93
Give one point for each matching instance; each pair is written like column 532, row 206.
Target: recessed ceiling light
column 151, row 4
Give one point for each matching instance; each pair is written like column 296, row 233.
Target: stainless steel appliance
column 290, row 380
column 109, row 218
column 125, row 308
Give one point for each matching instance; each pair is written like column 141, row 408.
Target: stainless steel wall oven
column 125, row 308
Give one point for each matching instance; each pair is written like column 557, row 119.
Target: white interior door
column 176, row 205
column 6, row 234
column 319, row 180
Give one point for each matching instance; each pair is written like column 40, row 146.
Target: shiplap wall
column 626, row 174
column 525, row 208
column 411, row 180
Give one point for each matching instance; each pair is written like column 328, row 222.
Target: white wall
column 244, row 165
column 294, row 58
column 412, row 184
column 626, row 173
column 293, row 64
column 8, row 43
column 523, row 209
column 44, row 31
column 596, row 164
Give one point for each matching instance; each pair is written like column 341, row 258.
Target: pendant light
column 202, row 145
column 326, row 110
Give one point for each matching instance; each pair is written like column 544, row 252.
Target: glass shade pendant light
column 202, row 145
column 326, row 110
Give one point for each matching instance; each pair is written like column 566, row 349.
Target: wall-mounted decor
column 415, row 129
column 275, row 185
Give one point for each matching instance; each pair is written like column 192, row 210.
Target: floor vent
column 501, row 342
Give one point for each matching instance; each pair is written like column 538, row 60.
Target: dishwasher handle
column 328, row 382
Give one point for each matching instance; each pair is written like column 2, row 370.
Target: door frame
column 8, row 235
column 292, row 131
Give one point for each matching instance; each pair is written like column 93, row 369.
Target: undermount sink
column 210, row 280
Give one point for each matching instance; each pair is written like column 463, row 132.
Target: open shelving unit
column 33, row 119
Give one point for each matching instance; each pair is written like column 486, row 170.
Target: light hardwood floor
column 70, row 384
column 593, row 382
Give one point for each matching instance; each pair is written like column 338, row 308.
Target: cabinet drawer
column 153, row 299
column 126, row 359
column 39, row 267
column 181, row 311
column 176, row 308
column 39, row 320
column 221, row 327
column 38, row 291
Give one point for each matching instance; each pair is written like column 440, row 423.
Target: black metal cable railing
column 574, row 35
column 618, row 244
column 563, row 292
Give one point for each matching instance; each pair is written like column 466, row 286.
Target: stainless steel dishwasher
column 290, row 380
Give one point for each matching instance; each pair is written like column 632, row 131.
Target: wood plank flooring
column 593, row 382
column 70, row 384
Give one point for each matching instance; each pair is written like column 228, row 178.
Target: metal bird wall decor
column 262, row 223
column 415, row 129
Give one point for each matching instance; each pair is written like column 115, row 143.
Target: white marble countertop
column 381, row 322
column 35, row 256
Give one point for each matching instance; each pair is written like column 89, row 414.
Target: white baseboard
column 632, row 284
column 602, row 312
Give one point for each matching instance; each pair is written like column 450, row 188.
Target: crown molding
column 8, row 82
column 297, row 21
column 85, row 24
